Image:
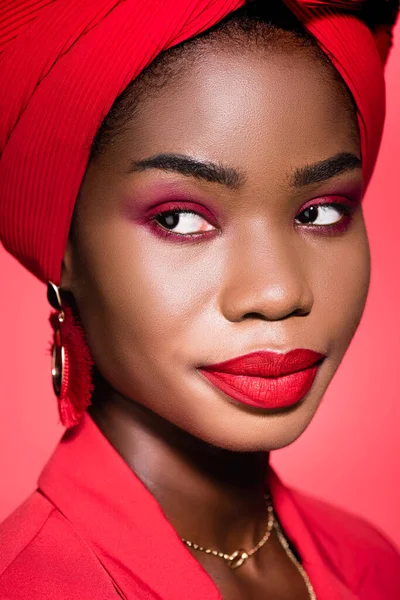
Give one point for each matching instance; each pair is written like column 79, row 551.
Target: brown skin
column 154, row 310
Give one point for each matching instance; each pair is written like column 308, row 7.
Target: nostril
column 255, row 315
column 301, row 312
column 298, row 312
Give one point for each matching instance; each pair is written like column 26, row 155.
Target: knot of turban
column 64, row 62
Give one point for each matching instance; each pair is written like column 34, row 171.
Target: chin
column 247, row 432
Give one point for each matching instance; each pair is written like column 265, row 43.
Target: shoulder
column 366, row 558
column 43, row 557
column 21, row 527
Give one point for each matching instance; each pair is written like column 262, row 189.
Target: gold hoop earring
column 71, row 362
column 58, row 351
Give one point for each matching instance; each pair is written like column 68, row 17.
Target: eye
column 182, row 222
column 323, row 214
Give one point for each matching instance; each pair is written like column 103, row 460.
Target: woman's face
column 248, row 268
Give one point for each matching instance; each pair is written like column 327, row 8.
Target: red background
column 349, row 454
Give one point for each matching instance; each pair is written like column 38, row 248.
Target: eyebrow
column 326, row 169
column 233, row 178
column 186, row 165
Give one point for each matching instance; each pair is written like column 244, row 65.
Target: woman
column 187, row 178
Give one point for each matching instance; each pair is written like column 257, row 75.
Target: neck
column 211, row 496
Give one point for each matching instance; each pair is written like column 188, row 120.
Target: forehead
column 280, row 109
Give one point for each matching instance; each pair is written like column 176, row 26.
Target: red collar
column 92, row 486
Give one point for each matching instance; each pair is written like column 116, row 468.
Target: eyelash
column 180, row 237
column 347, row 211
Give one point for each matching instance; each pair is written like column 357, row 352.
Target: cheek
column 139, row 298
column 343, row 286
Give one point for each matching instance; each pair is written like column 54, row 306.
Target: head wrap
column 64, row 62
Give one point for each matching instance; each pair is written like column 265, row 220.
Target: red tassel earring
column 71, row 361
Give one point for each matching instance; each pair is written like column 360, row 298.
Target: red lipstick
column 266, row 379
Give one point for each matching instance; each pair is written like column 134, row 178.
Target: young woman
column 187, row 178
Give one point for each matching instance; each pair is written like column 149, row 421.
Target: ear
column 67, row 268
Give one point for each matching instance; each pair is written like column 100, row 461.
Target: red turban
column 64, row 62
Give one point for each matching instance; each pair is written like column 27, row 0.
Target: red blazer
column 92, row 531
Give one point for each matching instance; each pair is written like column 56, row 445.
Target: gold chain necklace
column 238, row 557
column 294, row 560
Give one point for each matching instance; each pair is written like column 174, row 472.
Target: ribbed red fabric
column 63, row 63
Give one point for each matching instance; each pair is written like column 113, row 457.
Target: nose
column 265, row 277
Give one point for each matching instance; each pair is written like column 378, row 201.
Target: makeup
column 342, row 205
column 153, row 197
column 268, row 380
column 155, row 202
column 158, row 206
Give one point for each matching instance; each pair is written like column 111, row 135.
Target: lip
column 266, row 379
